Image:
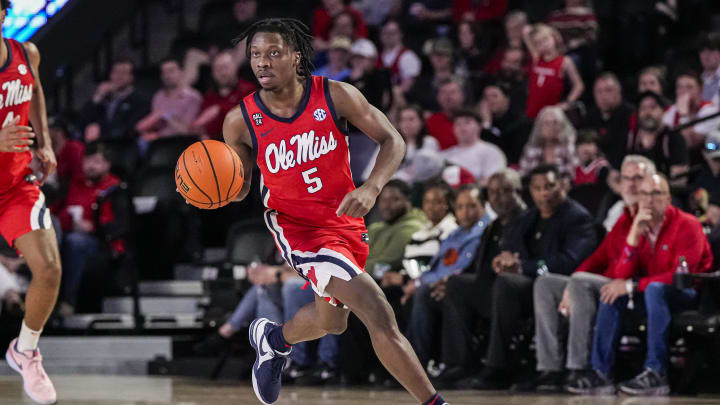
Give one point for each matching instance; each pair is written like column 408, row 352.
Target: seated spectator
column 481, row 158
column 322, row 20
column 550, row 69
column 389, row 237
column 425, row 19
column 438, row 205
column 174, row 107
column 455, row 257
column 467, row 296
column 710, row 60
column 592, row 166
column 634, row 168
column 403, row 63
column 69, row 153
column 372, row 81
column 575, row 298
column 307, row 366
column 708, row 177
column 115, row 107
column 610, row 117
column 233, row 22
column 554, row 237
column 424, row 90
column 552, row 141
column 689, row 105
column 651, row 139
column 479, row 11
column 374, row 13
column 263, row 300
column 11, row 302
column 228, row 92
column 338, row 66
column 652, row 79
column 578, row 28
column 515, row 22
column 414, row 132
column 450, row 98
column 513, row 71
column 472, row 54
column 428, row 166
column 503, row 123
column 77, row 219
column 681, row 238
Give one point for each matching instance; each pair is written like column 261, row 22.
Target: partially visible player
column 24, row 219
column 295, row 129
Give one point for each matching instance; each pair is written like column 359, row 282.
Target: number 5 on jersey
column 316, row 183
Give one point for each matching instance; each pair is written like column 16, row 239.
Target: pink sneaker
column 37, row 384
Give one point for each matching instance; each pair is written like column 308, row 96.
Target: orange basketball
column 209, row 174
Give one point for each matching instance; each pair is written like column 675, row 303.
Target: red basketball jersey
column 16, row 89
column 304, row 160
column 546, row 85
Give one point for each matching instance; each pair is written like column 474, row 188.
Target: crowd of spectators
column 528, row 139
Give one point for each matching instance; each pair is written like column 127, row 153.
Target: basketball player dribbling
column 294, row 128
column 24, row 220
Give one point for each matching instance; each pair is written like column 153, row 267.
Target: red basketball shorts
column 22, row 210
column 319, row 254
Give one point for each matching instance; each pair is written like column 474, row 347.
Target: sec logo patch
column 319, row 114
column 22, row 69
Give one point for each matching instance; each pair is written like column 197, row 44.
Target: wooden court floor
column 105, row 390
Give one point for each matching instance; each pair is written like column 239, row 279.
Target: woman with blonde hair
column 552, row 141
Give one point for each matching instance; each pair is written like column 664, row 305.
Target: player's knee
column 48, row 274
column 336, row 328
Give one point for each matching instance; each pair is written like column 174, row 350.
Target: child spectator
column 592, row 166
column 549, row 70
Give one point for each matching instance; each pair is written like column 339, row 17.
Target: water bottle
column 682, row 279
column 542, row 268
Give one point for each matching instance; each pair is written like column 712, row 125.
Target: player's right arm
column 237, row 136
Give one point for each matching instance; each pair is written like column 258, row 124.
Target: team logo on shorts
column 258, row 119
column 319, row 114
column 22, row 69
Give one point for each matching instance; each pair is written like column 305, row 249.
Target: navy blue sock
column 436, row 399
column 277, row 340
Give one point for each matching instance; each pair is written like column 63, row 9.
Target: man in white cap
column 372, row 81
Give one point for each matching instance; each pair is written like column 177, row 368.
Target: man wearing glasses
column 660, row 239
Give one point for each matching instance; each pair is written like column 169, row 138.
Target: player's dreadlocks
column 5, row 4
column 293, row 32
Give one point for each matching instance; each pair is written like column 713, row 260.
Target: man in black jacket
column 116, row 107
column 554, row 236
column 503, row 123
column 610, row 117
column 468, row 295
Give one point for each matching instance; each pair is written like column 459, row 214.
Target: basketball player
column 24, row 220
column 294, row 128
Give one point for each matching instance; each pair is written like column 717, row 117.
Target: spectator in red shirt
column 228, row 92
column 450, row 98
column 322, row 19
column 515, row 22
column 69, row 152
column 661, row 238
column 77, row 217
column 550, row 68
column 592, row 166
column 575, row 297
column 479, row 10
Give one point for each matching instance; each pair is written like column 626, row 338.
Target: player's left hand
column 358, row 202
column 47, row 159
